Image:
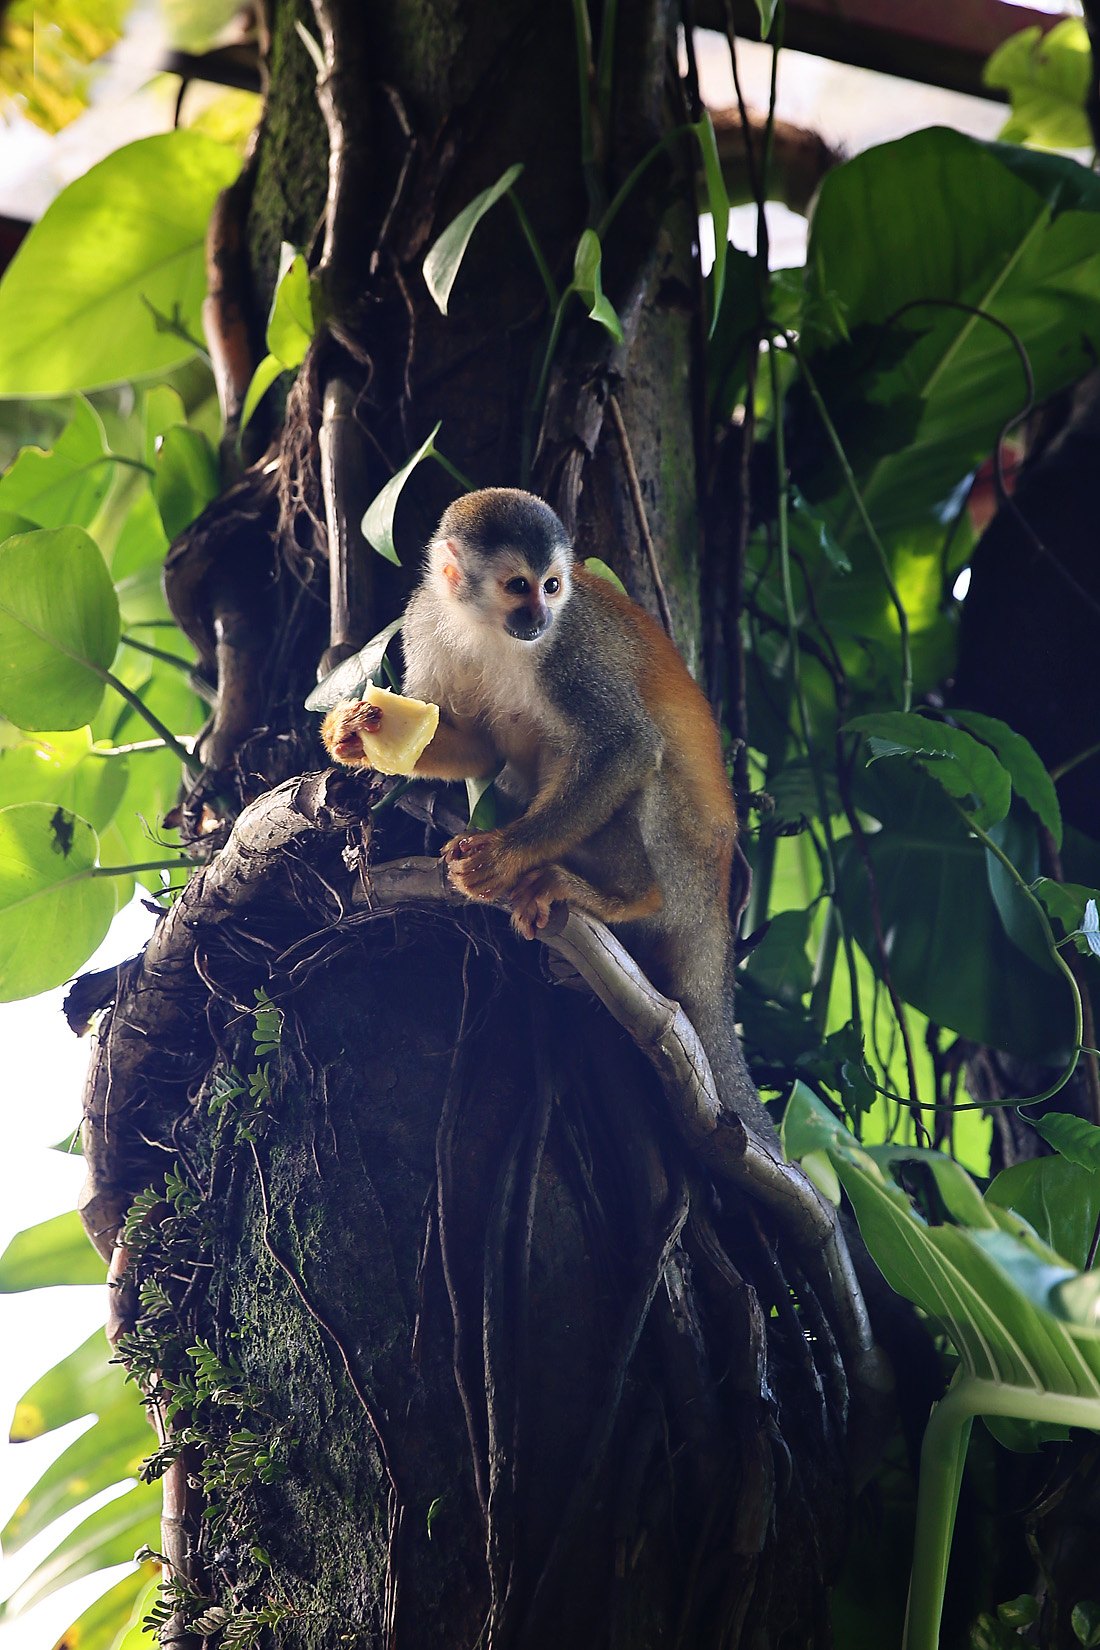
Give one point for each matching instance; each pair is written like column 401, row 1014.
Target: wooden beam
column 938, row 42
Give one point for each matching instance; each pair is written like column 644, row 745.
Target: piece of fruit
column 393, row 731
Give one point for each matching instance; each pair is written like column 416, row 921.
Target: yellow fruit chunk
column 406, row 728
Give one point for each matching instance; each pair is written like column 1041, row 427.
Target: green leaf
column 1085, row 1621
column 63, row 768
column 780, row 964
column 351, row 676
column 58, row 628
column 122, row 241
column 718, row 204
column 261, row 381
column 1047, row 79
column 1077, row 1141
column 291, row 325
column 766, row 10
column 1019, row 1612
column 481, row 799
column 65, row 486
column 947, row 949
column 834, row 553
column 964, row 767
column 955, row 222
column 593, row 564
column 444, row 259
column 187, row 478
column 1067, row 901
column 1059, row 1199
column 1030, row 780
column 586, row 282
column 56, row 1251
column 53, row 912
column 110, row 1535
column 378, row 520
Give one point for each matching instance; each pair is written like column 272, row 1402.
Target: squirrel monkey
column 609, row 746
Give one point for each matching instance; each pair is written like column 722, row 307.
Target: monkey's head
column 505, row 560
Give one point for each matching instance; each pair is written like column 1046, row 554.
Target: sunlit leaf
column 718, row 204
column 121, row 245
column 1060, row 1199
column 380, row 513
column 261, row 381
column 587, row 282
column 65, row 486
column 593, row 564
column 53, row 911
column 63, row 768
column 290, row 325
column 444, row 259
column 84, row 1382
column 1046, row 76
column 58, row 628
column 56, row 1251
column 106, row 1619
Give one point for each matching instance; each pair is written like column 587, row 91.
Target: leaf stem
column 452, row 469
column 145, row 865
column 536, row 250
column 158, row 653
column 829, row 865
column 868, row 526
column 188, row 758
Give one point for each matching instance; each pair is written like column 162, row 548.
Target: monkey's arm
column 458, row 751
column 581, row 792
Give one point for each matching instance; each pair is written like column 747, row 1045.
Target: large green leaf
column 53, row 910
column 938, row 219
column 65, row 486
column 378, row 518
column 56, row 1251
column 1060, row 1199
column 967, row 769
column 118, row 253
column 58, row 628
column 65, row 769
column 999, row 1291
column 948, row 952
column 110, row 1535
column 1030, row 780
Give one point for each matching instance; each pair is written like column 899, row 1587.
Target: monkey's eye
column 552, row 586
column 517, row 587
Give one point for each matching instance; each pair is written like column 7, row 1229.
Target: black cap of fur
column 499, row 518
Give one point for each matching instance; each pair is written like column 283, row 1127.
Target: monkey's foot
column 532, row 898
column 343, row 729
column 481, row 865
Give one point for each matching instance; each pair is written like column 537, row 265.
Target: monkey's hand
column 484, row 865
column 532, row 898
column 343, row 729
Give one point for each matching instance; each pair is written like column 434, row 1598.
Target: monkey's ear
column 449, row 565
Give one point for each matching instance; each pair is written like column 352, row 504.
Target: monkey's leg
column 535, row 893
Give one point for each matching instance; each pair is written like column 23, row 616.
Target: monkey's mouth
column 525, row 629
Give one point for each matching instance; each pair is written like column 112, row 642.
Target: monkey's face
column 508, row 590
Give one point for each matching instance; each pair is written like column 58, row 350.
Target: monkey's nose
column 527, row 624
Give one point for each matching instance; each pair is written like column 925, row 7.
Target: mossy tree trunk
column 485, row 1355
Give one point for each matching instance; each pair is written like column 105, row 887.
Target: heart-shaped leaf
column 58, row 628
column 119, row 248
column 53, row 910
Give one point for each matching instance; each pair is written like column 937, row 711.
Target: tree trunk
column 454, row 1329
